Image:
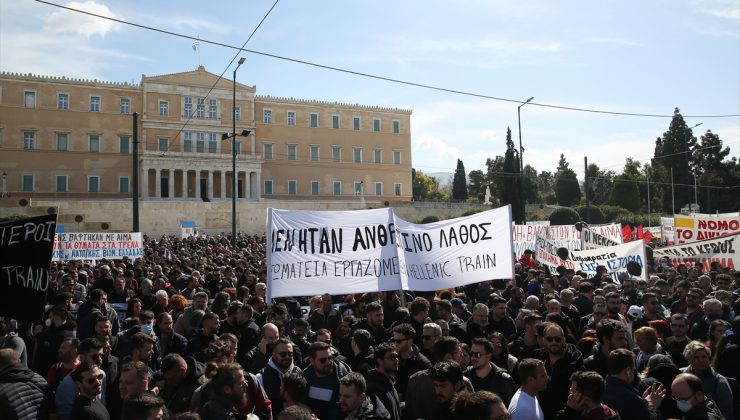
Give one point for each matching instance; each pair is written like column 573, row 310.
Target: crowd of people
column 194, row 337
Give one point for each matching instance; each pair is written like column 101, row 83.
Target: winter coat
column 381, row 386
column 707, row 410
column 86, row 315
column 552, row 398
column 271, row 379
column 601, row 412
column 177, row 398
column 497, row 381
column 417, row 362
column 626, row 400
column 371, row 409
column 420, row 401
column 22, row 394
column 326, row 410
column 717, row 389
column 597, row 362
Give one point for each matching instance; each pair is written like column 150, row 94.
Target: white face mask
column 684, row 405
column 47, row 322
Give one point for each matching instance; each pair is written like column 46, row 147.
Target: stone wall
column 164, row 217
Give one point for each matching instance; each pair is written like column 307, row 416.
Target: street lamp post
column 688, row 166
column 233, row 161
column 5, row 175
column 521, row 161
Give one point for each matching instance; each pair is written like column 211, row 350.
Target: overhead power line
column 377, row 77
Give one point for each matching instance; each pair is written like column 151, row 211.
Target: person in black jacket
column 622, row 396
column 355, row 403
column 271, row 376
column 561, row 360
column 362, row 359
column 168, row 341
column 412, row 360
column 22, row 391
column 182, row 376
column 380, row 381
column 610, row 335
column 87, row 406
column 486, row 376
column 322, row 377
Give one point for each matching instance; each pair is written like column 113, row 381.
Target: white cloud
column 725, row 9
column 67, row 21
column 613, row 41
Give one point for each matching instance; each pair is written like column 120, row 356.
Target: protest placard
column 94, row 246
column 614, row 258
column 590, row 239
column 25, row 257
column 724, row 250
column 547, row 253
column 694, row 228
column 564, row 236
column 339, row 252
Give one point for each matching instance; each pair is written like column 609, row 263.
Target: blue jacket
column 626, row 400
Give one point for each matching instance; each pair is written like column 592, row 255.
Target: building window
column 93, row 142
column 29, row 140
column 267, row 116
column 357, row 154
column 28, row 183
column 267, row 151
column 95, row 104
column 337, row 187
column 212, row 143
column 125, row 105
column 237, row 114
column 61, row 183
column 188, row 106
column 378, row 155
column 63, row 101
column 212, row 109
column 292, row 187
column 124, row 145
column 123, row 185
column 315, row 153
column 200, row 110
column 164, row 108
column 378, row 188
column 292, row 152
column 376, row 124
column 358, row 187
column 200, row 142
column 314, row 119
column 163, row 144
column 335, row 121
column 268, row 187
column 238, row 148
column 62, row 142
column 187, row 141
column 29, row 99
column 356, row 123
column 93, row 184
column 291, row 118
column 397, row 188
column 396, row 157
column 314, row 187
column 336, row 154
column 396, row 126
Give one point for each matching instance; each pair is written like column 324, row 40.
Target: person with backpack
column 68, row 361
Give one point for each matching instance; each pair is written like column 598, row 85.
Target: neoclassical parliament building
column 64, row 138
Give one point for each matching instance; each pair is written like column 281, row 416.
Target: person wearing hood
column 688, row 391
column 271, row 376
column 355, row 403
column 22, row 391
column 561, row 361
column 715, row 386
column 381, row 381
column 661, row 370
column 182, row 376
column 583, row 403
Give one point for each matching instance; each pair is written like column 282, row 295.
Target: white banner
column 667, row 230
column 698, row 228
column 724, row 250
column 340, row 252
column 591, row 239
column 547, row 253
column 614, row 258
column 565, row 236
column 538, row 223
column 94, row 246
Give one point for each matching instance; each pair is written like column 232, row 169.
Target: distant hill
column 444, row 178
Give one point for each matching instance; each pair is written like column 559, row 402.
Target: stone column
column 223, row 183
column 209, row 194
column 197, row 184
column 171, row 181
column 252, row 138
column 158, row 183
column 184, row 183
column 257, row 186
column 144, row 193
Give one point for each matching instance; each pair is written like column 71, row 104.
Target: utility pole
column 585, row 185
column 135, row 174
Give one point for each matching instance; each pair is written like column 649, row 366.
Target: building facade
column 64, row 138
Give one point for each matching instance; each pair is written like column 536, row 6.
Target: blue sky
column 632, row 56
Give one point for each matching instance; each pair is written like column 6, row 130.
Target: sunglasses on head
column 92, row 380
column 557, row 339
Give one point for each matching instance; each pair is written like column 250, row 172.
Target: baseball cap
column 457, row 302
column 634, row 311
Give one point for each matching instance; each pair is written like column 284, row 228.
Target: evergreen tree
column 707, row 160
column 495, row 177
column 625, row 193
column 477, row 184
column 459, row 183
column 511, row 193
column 567, row 190
column 672, row 153
column 599, row 184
